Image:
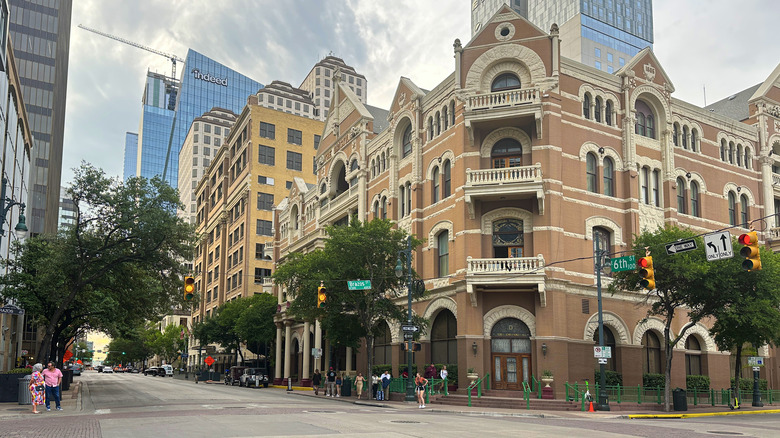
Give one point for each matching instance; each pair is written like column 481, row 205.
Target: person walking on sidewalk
column 37, row 388
column 420, row 383
column 53, row 378
column 339, row 380
column 374, row 385
column 330, row 391
column 316, row 379
column 386, row 378
column 443, row 373
column 359, row 385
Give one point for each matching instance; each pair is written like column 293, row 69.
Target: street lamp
column 600, row 258
column 5, row 205
column 399, row 272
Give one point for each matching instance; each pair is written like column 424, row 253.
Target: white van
column 168, row 370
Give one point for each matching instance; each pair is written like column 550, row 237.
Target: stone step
column 511, row 402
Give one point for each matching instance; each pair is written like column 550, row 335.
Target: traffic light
column 647, row 272
column 322, row 295
column 750, row 251
column 189, row 288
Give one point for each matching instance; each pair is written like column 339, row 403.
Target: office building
column 600, row 33
column 67, row 211
column 201, row 144
column 282, row 96
column 40, row 32
column 154, row 133
column 131, row 155
column 512, row 171
column 319, row 83
column 17, row 145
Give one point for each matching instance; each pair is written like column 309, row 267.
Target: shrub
column 402, row 368
column 747, row 384
column 652, row 380
column 614, row 378
column 697, row 382
column 19, row 371
column 381, row 368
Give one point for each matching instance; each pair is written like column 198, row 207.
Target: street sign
column 209, row 361
column 184, row 355
column 680, row 246
column 410, row 328
column 603, row 361
column 11, row 310
column 602, row 352
column 627, row 263
column 408, row 336
column 755, row 361
column 316, row 352
column 718, row 246
column 359, row 284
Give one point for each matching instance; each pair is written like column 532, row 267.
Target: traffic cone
column 590, row 407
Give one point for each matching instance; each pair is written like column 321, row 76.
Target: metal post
column 603, row 404
column 409, row 353
column 756, row 394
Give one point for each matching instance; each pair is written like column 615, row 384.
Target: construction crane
column 172, row 58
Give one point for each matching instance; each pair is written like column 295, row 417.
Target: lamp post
column 399, row 272
column 5, row 205
column 600, row 257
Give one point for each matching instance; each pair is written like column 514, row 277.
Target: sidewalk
column 70, row 402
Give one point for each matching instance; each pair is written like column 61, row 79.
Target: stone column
column 349, row 360
column 287, row 348
column 306, row 354
column 278, row 364
column 318, row 344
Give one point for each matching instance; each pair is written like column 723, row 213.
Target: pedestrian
column 52, row 377
column 359, row 384
column 386, row 379
column 316, row 380
column 330, row 391
column 430, row 371
column 420, row 383
column 374, row 385
column 443, row 373
column 339, row 380
column 37, row 388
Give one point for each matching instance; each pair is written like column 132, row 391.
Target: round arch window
column 507, row 152
column 505, row 81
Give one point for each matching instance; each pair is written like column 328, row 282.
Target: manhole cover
column 724, row 432
column 405, row 421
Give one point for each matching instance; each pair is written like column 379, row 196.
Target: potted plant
column 472, row 375
column 547, row 378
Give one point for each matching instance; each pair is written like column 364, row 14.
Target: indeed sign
column 208, row 78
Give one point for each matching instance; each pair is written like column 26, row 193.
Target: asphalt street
column 132, row 405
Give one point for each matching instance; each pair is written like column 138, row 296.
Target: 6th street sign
column 681, row 246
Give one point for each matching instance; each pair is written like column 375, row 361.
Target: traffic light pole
column 410, row 350
column 603, row 404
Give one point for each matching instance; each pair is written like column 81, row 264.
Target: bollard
column 289, row 385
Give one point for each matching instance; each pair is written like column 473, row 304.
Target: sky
column 723, row 45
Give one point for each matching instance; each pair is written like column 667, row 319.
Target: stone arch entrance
column 510, row 353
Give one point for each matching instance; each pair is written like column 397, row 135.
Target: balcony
column 511, row 183
column 339, row 205
column 507, row 104
column 519, row 274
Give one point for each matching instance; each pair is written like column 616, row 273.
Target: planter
column 547, row 381
column 472, row 377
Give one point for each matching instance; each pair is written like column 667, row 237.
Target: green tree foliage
column 255, row 325
column 221, row 326
column 85, row 355
column 118, row 266
column 358, row 251
column 169, row 344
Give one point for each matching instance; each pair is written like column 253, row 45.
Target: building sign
column 208, row 78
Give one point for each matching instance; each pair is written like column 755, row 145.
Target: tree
column 118, row 265
column 82, row 352
column 358, row 251
column 221, row 326
column 168, row 344
column 679, row 286
column 255, row 325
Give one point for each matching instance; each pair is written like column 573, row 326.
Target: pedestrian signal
column 647, row 272
column 750, row 251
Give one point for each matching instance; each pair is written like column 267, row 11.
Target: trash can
column 680, row 399
column 346, row 387
column 25, row 398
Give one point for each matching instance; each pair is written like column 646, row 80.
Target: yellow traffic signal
column 189, row 288
column 647, row 272
column 321, row 297
column 750, row 251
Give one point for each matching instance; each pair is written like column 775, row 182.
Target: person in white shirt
column 443, row 374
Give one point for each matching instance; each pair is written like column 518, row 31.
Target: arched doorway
column 294, row 371
column 444, row 346
column 510, row 354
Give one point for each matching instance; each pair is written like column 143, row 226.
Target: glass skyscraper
column 40, row 31
column 151, row 142
column 131, row 155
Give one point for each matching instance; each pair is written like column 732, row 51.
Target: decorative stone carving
column 514, row 52
column 619, row 328
column 650, row 218
column 704, row 334
column 554, row 29
column 401, row 99
column 508, row 311
column 504, row 31
column 434, row 308
column 648, row 324
column 649, row 72
column 772, row 110
column 457, row 46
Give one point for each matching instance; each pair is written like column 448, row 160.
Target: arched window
column 609, row 177
column 744, row 211
column 443, row 254
column 685, row 137
column 681, row 201
column 506, row 81
column 294, row 218
column 731, row 152
column 645, row 120
column 323, row 189
column 354, row 166
column 748, row 160
column 723, row 150
column 695, row 211
column 676, row 134
column 435, row 186
column 732, row 209
column 652, row 350
column 341, row 180
column 608, row 113
column 692, row 356
column 373, row 168
column 694, row 140
column 402, row 199
column 586, row 106
column 508, row 238
column 376, row 209
column 430, row 128
column 437, row 122
column 383, row 348
column 507, row 152
column 384, row 207
column 407, row 142
column 408, row 198
column 739, row 155
column 446, row 187
column 639, row 128
column 452, row 113
column 444, row 118
column 597, row 110
column 650, row 125
column 383, row 163
column 656, row 187
column 444, row 345
column 590, row 172
column 609, row 341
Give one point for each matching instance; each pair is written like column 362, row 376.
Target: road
column 132, row 405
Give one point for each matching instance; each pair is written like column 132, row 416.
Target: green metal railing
column 640, row 394
column 479, row 383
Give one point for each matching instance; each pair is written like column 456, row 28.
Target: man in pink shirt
column 52, row 377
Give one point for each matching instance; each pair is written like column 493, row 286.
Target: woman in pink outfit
column 37, row 388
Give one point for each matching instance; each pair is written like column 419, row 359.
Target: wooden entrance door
column 510, row 370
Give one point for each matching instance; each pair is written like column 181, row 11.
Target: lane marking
column 102, row 411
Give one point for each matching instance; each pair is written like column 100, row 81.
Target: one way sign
column 718, row 246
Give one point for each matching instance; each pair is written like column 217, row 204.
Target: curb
column 703, row 414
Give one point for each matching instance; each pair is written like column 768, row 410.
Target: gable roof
column 645, row 53
column 764, row 87
column 380, row 118
column 505, row 9
column 735, row 106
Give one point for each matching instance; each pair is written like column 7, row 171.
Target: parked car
column 233, row 376
column 253, row 377
column 108, row 370
column 135, row 371
column 76, row 368
column 99, row 368
column 129, row 369
column 166, row 370
column 153, row 371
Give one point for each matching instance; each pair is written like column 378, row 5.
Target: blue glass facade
column 155, row 132
column 205, row 84
column 131, row 155
column 612, row 37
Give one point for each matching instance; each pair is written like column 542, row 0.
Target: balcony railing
column 775, row 180
column 504, row 175
column 502, row 99
column 516, row 265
